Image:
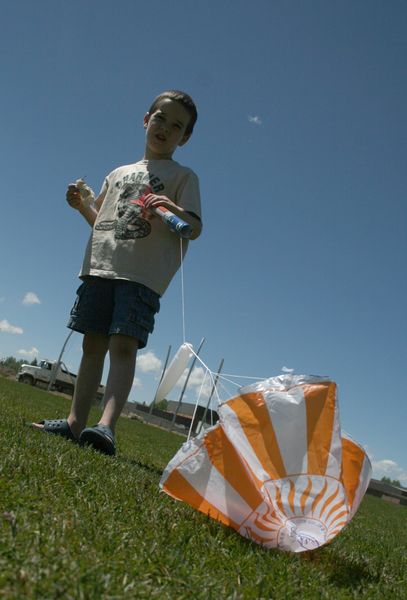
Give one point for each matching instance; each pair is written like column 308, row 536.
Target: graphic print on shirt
column 130, row 223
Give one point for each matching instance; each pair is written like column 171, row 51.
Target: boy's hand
column 152, row 201
column 73, row 196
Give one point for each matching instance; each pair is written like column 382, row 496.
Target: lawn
column 77, row 524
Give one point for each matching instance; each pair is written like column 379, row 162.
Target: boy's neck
column 149, row 155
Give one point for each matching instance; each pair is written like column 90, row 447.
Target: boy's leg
column 122, row 353
column 95, row 346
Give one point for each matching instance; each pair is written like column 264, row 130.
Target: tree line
column 395, row 482
column 12, row 364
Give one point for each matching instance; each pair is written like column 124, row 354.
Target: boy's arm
column 89, row 210
column 152, row 201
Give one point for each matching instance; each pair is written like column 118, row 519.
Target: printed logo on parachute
column 130, row 223
column 300, row 513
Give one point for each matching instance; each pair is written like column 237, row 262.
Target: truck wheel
column 27, row 379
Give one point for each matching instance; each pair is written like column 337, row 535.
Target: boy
column 130, row 259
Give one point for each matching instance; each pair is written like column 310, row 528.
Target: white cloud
column 255, row 120
column 149, row 363
column 137, row 383
column 31, row 298
column 287, row 370
column 29, row 353
column 386, row 464
column 6, row 327
column 389, row 468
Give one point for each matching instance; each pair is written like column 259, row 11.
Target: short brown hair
column 183, row 99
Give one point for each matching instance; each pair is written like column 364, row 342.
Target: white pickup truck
column 41, row 375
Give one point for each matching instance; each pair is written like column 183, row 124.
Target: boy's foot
column 100, row 437
column 57, row 427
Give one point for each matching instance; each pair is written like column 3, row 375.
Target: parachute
column 276, row 467
column 174, row 371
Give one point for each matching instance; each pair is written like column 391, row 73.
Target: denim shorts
column 110, row 306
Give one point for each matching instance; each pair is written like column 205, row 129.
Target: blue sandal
column 57, row 427
column 100, row 437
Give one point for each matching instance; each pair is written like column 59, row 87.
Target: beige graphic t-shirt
column 125, row 245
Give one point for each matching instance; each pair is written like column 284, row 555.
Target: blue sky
column 301, row 151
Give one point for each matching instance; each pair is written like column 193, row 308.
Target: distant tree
column 34, row 362
column 11, row 364
column 162, row 404
column 395, row 482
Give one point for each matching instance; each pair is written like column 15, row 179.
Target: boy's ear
column 184, row 139
column 146, row 120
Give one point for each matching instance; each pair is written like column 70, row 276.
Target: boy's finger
column 148, row 198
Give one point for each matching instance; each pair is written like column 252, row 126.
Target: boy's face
column 165, row 129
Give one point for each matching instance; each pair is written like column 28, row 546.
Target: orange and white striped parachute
column 276, row 466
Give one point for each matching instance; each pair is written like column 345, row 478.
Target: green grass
column 77, row 524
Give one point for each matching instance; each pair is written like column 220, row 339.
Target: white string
column 196, row 405
column 205, row 366
column 219, row 401
column 243, row 376
column 224, row 376
column 229, row 380
column 182, row 291
column 225, row 389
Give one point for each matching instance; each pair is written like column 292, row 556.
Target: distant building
column 165, row 418
column 387, row 491
column 185, row 409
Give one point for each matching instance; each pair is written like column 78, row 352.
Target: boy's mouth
column 161, row 137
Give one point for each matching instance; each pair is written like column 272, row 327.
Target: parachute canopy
column 276, row 466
